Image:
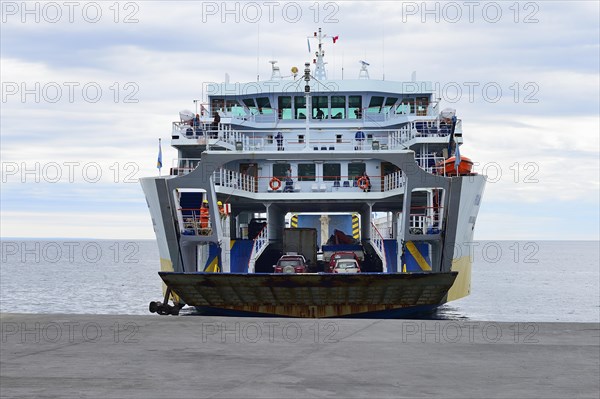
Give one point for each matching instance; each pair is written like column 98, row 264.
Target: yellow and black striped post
column 294, row 222
column 355, row 227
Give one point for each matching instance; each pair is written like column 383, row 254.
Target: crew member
column 204, row 215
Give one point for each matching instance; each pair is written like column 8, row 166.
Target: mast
column 320, row 73
column 307, row 103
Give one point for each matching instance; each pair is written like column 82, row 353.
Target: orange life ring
column 363, row 183
column 275, row 183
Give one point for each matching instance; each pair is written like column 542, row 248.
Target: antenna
column 257, row 51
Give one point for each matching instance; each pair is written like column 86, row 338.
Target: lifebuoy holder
column 275, row 184
column 363, row 184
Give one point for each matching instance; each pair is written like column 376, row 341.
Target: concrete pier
column 105, row 356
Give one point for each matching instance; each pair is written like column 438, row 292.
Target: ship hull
column 382, row 295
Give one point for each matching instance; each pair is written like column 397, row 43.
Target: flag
column 308, row 42
column 457, row 158
column 159, row 161
column 335, row 39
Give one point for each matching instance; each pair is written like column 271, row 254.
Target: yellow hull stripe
column 462, row 284
column 412, row 248
column 294, row 222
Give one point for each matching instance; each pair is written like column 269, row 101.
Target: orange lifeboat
column 447, row 167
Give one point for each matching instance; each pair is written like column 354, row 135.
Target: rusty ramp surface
column 311, row 295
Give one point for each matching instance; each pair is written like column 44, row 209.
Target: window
column 375, row 105
column 354, row 107
column 301, row 138
column 306, row 172
column 264, row 105
column 216, row 104
column 331, row 171
column 300, row 107
column 285, row 107
column 406, row 106
column 338, row 107
column 389, row 103
column 280, row 170
column 338, row 138
column 249, row 102
column 422, row 104
column 355, row 170
column 320, row 107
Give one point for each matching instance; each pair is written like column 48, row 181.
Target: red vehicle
column 291, row 264
column 341, row 255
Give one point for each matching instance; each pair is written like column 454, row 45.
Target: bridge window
column 306, row 172
column 354, row 107
column 375, row 105
column 406, row 106
column 285, row 107
column 389, row 103
column 249, row 103
column 320, row 107
column 264, row 105
column 338, row 107
column 300, row 107
column 422, row 104
column 331, row 171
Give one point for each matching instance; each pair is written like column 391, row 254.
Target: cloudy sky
column 89, row 87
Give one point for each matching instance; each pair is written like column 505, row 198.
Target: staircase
column 378, row 244
column 261, row 242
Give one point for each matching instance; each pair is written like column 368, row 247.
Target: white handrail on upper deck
column 393, row 181
column 236, row 180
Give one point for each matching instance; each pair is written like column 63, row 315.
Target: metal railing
column 378, row 245
column 261, row 242
column 393, row 181
column 236, row 180
column 225, row 137
column 193, row 224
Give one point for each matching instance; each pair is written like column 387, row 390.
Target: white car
column 346, row 266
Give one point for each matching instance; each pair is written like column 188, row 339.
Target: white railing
column 236, row 180
column 266, row 140
column 428, row 162
column 184, row 166
column 378, row 245
column 393, row 181
column 261, row 242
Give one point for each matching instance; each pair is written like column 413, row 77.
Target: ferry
column 277, row 181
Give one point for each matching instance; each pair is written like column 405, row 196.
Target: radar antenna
column 275, row 72
column 364, row 72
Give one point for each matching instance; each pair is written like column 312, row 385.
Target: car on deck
column 341, row 255
column 343, row 266
column 291, row 264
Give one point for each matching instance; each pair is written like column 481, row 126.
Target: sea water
column 536, row 281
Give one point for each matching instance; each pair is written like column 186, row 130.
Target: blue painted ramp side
column 391, row 255
column 418, row 261
column 240, row 255
column 213, row 263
